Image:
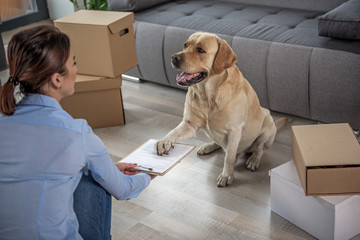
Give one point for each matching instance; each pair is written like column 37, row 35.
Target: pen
column 144, row 168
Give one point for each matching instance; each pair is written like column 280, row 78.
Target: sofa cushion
column 274, row 24
column 342, row 22
column 132, row 5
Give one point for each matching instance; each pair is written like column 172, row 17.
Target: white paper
column 146, row 156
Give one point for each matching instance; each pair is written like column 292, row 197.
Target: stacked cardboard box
column 324, row 217
column 327, row 158
column 104, row 47
column 98, row 100
column 326, row 166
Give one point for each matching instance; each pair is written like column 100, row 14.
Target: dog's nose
column 176, row 58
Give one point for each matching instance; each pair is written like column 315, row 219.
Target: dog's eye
column 200, row 50
column 185, row 45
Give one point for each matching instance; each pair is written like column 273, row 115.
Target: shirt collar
column 40, row 100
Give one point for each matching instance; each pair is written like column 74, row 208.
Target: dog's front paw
column 163, row 146
column 208, row 148
column 202, row 150
column 253, row 163
column 223, row 180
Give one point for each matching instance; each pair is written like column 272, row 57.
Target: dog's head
column 204, row 54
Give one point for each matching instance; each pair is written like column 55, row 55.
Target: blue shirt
column 43, row 152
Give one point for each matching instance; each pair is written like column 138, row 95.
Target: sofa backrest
column 316, row 5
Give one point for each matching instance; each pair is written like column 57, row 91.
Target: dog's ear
column 225, row 57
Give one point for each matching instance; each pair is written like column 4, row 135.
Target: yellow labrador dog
column 222, row 103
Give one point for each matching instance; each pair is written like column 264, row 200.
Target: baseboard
column 131, row 78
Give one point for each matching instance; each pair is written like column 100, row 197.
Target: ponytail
column 7, row 98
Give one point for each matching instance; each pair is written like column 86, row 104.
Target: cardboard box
column 327, row 157
column 324, row 217
column 102, row 41
column 97, row 100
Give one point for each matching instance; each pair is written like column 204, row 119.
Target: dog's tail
column 279, row 123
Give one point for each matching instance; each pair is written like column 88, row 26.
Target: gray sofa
column 301, row 57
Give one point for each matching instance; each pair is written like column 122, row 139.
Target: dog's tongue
column 183, row 77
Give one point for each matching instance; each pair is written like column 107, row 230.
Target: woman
column 45, row 153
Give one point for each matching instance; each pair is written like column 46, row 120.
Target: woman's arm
column 108, row 175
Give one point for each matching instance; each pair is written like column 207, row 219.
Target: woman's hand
column 127, row 168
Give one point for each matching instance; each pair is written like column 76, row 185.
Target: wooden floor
column 186, row 203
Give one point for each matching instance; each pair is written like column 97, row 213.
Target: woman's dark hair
column 34, row 55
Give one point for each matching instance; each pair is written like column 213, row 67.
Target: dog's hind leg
column 263, row 142
column 208, row 148
column 253, row 162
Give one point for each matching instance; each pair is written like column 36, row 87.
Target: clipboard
column 148, row 161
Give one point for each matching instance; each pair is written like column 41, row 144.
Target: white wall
column 59, row 8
